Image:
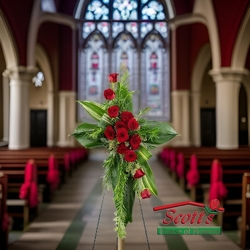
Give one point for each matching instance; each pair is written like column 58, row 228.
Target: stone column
column 195, row 119
column 66, row 117
column 62, row 120
column 6, row 106
column 19, row 128
column 71, row 116
column 180, row 117
column 227, row 82
column 50, row 119
column 185, row 118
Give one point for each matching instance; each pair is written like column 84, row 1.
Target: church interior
column 188, row 61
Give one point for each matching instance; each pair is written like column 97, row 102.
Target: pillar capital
column 20, row 72
column 228, row 74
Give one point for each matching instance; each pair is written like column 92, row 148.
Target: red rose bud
column 214, row 204
column 133, row 124
column 126, row 116
column 109, row 133
column 135, row 141
column 120, row 124
column 113, row 111
column 109, row 94
column 122, row 149
column 113, row 77
column 122, row 135
column 145, row 194
column 130, row 156
column 138, row 174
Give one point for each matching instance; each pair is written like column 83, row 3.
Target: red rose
column 122, row 135
column 109, row 94
column 133, row 124
column 135, row 141
column 130, row 156
column 138, row 174
column 109, row 133
column 214, row 204
column 120, row 124
column 145, row 194
column 113, row 111
column 113, row 77
column 122, row 149
column 126, row 116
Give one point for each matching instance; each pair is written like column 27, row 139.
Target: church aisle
column 69, row 222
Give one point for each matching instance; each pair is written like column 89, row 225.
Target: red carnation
column 145, row 194
column 138, row 174
column 109, row 94
column 133, row 124
column 113, row 77
column 113, row 111
column 120, row 124
column 126, row 116
column 109, row 133
column 122, row 149
column 122, row 135
column 130, row 156
column 135, row 141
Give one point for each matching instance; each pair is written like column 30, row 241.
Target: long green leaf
column 144, row 154
column 87, row 142
column 165, row 134
column 148, row 179
column 129, row 198
column 85, row 127
column 81, row 135
column 94, row 109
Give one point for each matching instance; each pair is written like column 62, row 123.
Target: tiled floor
column 69, row 222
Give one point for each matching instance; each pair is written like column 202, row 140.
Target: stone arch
column 8, row 44
column 240, row 51
column 11, row 59
column 43, row 61
column 242, row 44
column 200, row 66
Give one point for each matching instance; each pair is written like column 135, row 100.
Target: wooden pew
column 12, row 163
column 245, row 226
column 16, row 160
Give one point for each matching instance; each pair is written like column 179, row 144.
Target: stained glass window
column 125, row 9
column 92, row 58
column 131, row 34
column 154, row 55
column 97, row 10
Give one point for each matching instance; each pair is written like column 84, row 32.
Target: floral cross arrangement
column 128, row 139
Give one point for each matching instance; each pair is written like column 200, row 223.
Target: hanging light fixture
column 38, row 79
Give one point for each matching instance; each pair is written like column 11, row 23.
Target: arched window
column 131, row 33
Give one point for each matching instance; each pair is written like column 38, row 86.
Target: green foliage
column 121, row 214
column 123, row 95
